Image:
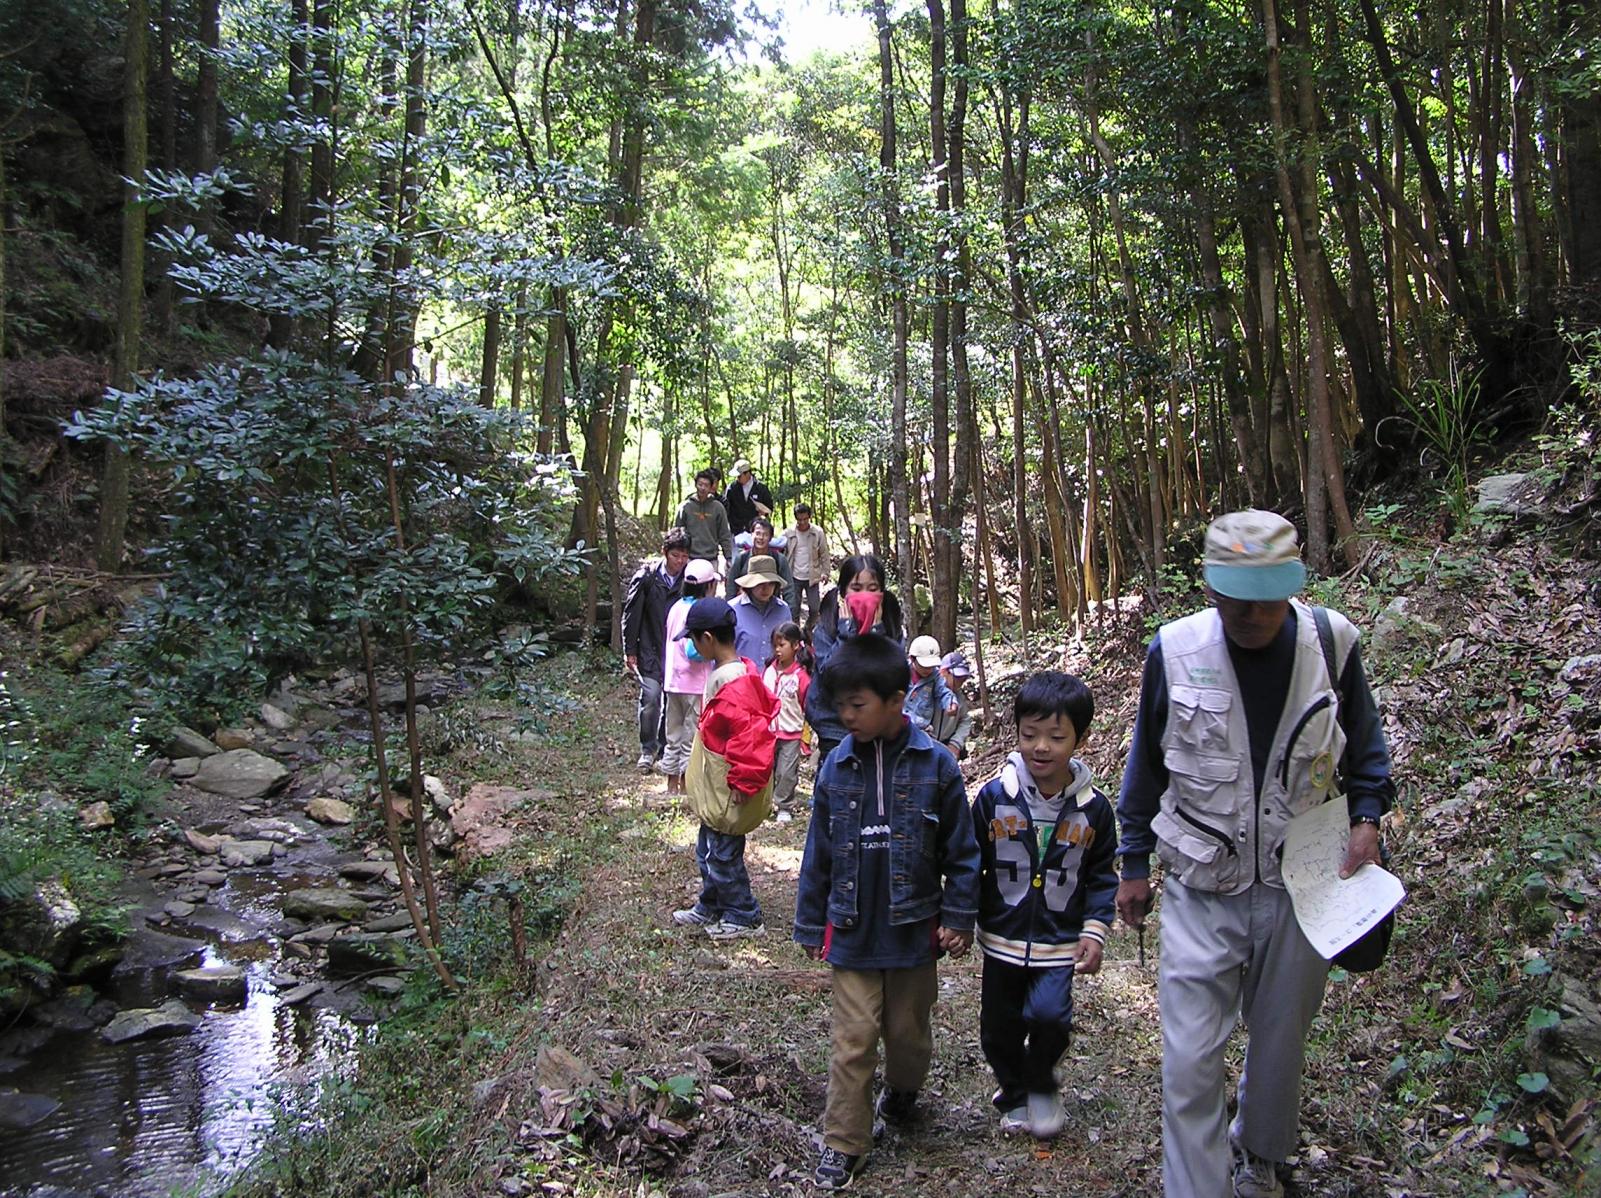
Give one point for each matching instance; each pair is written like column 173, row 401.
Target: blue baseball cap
column 706, row 614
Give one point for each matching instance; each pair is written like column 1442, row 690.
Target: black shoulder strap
column 1325, row 636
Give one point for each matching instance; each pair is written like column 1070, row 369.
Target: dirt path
column 627, row 991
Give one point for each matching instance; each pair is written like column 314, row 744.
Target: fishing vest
column 1213, row 832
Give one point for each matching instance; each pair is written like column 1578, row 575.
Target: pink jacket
column 682, row 676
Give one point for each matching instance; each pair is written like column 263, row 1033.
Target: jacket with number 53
column 1036, row 902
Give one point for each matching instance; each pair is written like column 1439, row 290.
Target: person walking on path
column 859, row 603
column 747, row 497
column 729, row 785
column 787, row 677
column 888, row 883
column 705, row 519
column 806, row 545
column 1046, row 843
column 650, row 592
column 761, row 545
column 684, row 678
column 953, row 728
column 759, row 612
column 1242, row 725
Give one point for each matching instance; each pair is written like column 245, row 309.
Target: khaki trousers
column 896, row 1005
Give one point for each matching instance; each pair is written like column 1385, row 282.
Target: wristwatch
column 1364, row 819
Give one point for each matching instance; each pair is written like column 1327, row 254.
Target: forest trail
column 627, row 992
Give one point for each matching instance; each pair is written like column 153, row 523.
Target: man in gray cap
column 1242, row 725
column 746, row 498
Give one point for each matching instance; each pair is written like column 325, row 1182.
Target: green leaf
column 1397, row 1067
column 1534, row 1083
column 1515, row 1136
column 1536, row 967
column 1542, row 1018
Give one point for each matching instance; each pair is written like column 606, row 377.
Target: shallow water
column 146, row 1118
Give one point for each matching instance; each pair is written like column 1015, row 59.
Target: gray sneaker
column 725, row 930
column 645, row 764
column 689, row 917
column 1254, row 1176
column 1045, row 1116
column 1015, row 1121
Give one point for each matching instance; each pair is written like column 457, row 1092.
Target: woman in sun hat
column 759, row 612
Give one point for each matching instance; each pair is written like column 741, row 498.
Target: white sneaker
column 1045, row 1116
column 784, row 817
column 724, row 930
column 1015, row 1121
column 1254, row 1176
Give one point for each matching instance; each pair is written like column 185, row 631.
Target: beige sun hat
column 760, row 569
column 1253, row 555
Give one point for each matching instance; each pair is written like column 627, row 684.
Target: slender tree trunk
column 206, row 103
column 5, row 441
column 551, row 398
column 281, row 327
column 319, row 228
column 899, row 489
column 943, row 573
column 165, row 299
column 489, row 372
column 1014, row 195
column 1581, row 159
column 114, row 475
column 962, row 470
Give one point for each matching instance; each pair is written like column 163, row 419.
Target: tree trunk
column 320, row 227
column 131, row 288
column 1581, row 159
column 1014, row 195
column 551, row 398
column 943, row 574
column 281, row 327
column 489, row 372
column 165, row 299
column 899, row 490
column 206, row 104
column 962, row 471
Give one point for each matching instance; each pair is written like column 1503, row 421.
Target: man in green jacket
column 705, row 519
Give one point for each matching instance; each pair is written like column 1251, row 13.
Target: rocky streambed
column 264, row 937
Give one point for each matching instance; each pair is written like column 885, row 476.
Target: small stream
column 150, row 1117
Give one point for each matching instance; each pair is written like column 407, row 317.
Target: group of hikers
column 1251, row 711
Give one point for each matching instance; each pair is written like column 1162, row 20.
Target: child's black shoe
column 836, row 1169
column 895, row 1108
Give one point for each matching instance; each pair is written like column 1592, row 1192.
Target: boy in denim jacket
column 888, row 883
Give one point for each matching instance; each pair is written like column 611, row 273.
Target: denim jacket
column 931, row 837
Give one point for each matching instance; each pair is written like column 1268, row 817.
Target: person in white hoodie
column 1047, row 840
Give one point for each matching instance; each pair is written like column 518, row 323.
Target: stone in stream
column 184, row 768
column 387, row 985
column 210, row 877
column 240, row 774
column 229, row 739
column 398, row 922
column 146, row 951
column 93, row 967
column 213, row 983
column 365, row 952
column 245, row 852
column 322, row 904
column 178, row 909
column 279, row 831
column 319, row 935
column 276, row 717
column 299, row 994
column 186, row 742
column 201, row 843
column 330, row 811
column 172, row 1018
column 19, row 1109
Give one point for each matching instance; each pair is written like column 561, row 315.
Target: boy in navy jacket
column 1046, row 839
column 889, row 882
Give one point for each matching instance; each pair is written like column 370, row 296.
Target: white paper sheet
column 1334, row 912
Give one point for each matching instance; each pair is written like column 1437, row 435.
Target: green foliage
column 1445, row 415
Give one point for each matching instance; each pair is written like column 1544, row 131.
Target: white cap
column 925, row 652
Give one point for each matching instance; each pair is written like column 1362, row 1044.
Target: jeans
column 652, row 733
column 725, row 891
column 806, row 595
column 1020, row 1004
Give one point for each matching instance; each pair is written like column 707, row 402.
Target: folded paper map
column 1334, row 912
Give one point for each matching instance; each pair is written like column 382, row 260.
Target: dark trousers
column 652, row 717
column 725, row 891
column 1024, row 1020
